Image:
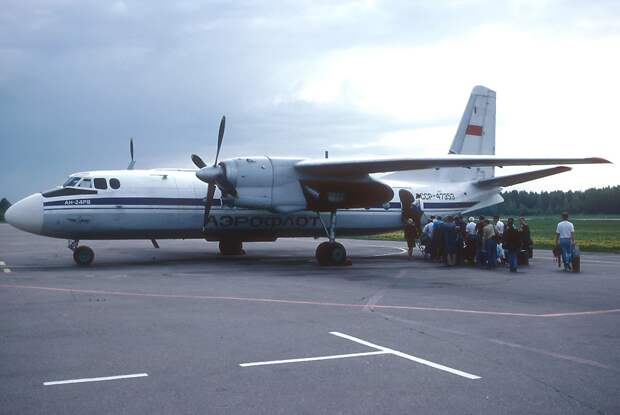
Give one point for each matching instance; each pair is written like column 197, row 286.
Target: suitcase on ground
column 576, row 260
column 523, row 258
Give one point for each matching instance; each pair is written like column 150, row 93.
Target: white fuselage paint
column 160, row 204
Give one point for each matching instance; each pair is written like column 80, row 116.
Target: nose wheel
column 83, row 255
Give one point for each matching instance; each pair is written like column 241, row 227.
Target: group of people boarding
column 482, row 242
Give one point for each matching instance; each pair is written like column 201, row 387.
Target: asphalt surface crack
column 378, row 296
column 566, row 395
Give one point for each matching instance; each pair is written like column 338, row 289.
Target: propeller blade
column 208, row 204
column 220, row 138
column 132, row 162
column 198, row 161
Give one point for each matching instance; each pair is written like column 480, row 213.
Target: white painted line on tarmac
column 402, row 251
column 380, row 350
column 311, row 359
column 64, row 382
column 2, row 263
column 407, row 356
column 6, row 270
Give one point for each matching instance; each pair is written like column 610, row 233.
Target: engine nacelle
column 264, row 183
column 275, row 184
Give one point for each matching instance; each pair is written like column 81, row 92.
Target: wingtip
column 600, row 160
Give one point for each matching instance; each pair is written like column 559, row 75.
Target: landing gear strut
column 82, row 255
column 331, row 252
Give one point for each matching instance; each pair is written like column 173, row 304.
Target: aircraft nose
column 27, row 214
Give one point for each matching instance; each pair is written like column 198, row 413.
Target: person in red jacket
column 411, row 233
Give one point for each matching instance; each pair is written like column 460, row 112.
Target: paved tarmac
column 182, row 330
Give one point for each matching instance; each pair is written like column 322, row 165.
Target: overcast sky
column 78, row 78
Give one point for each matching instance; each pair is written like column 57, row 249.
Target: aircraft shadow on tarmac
column 109, row 261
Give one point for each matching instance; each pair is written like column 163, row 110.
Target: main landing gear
column 82, row 255
column 231, row 247
column 331, row 252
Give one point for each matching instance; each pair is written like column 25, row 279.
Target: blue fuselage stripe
column 448, row 205
column 127, row 202
column 159, row 201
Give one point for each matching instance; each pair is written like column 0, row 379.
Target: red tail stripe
column 474, row 130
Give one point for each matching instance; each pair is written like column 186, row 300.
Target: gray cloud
column 77, row 79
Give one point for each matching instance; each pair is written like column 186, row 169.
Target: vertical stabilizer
column 476, row 133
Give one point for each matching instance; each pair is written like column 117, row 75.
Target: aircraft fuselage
column 168, row 204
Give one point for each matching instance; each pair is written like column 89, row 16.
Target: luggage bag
column 576, row 260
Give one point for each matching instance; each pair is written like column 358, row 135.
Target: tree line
column 604, row 200
column 4, row 205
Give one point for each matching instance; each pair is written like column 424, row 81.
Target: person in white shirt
column 427, row 236
column 471, row 238
column 565, row 237
column 499, row 225
column 499, row 231
column 471, row 227
column 428, row 228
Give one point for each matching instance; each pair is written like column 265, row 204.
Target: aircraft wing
column 512, row 179
column 382, row 165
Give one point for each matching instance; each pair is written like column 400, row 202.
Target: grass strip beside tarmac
column 594, row 233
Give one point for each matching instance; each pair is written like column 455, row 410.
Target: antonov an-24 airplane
column 265, row 198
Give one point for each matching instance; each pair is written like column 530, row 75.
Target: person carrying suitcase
column 565, row 239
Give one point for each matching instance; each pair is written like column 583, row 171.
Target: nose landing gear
column 82, row 255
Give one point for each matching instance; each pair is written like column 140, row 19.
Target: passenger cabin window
column 101, row 183
column 115, row 184
column 71, row 181
column 87, row 183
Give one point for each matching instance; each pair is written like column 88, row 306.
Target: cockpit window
column 86, row 182
column 100, row 183
column 115, row 184
column 71, row 181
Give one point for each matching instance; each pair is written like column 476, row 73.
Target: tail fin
column 476, row 132
column 475, row 135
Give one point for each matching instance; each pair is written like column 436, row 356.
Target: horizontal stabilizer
column 513, row 179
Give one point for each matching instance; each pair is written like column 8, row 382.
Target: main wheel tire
column 331, row 253
column 337, row 254
column 231, row 247
column 83, row 255
column 322, row 253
